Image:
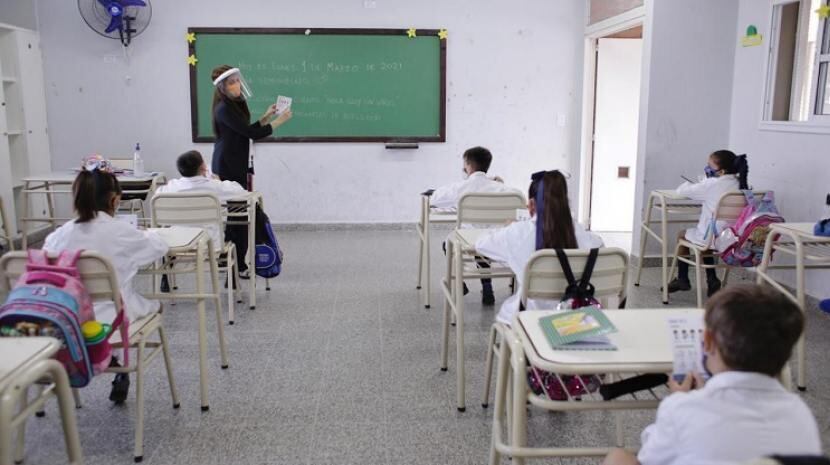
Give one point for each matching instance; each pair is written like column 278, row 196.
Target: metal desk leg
column 459, row 327
column 214, row 278
column 200, row 308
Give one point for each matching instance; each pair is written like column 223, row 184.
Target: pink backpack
column 50, row 299
column 743, row 243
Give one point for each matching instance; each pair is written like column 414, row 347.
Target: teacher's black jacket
column 230, row 152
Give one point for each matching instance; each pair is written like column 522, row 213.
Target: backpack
column 743, row 243
column 268, row 256
column 50, row 299
column 578, row 294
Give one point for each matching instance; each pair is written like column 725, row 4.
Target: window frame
column 815, row 123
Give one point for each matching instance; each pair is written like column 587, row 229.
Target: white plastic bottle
column 138, row 163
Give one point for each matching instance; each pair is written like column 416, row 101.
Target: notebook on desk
column 582, row 329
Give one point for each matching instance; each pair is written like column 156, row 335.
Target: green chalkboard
column 348, row 85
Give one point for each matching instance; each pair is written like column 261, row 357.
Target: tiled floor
column 339, row 365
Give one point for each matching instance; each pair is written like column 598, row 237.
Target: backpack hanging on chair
column 580, row 293
column 743, row 243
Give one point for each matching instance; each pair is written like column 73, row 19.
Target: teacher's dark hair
column 189, row 163
column 92, row 192
column 240, row 106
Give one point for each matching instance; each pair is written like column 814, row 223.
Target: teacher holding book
column 232, row 126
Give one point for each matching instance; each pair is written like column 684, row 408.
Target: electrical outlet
column 370, row 4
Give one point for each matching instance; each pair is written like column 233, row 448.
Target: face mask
column 710, row 172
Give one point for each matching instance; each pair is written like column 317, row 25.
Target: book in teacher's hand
column 582, row 329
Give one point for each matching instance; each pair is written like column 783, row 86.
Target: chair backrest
column 187, row 209
column 489, row 208
column 731, row 204
column 545, row 280
column 97, row 274
column 5, row 235
column 122, row 163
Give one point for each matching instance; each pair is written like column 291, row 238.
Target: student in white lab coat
column 196, row 178
column 725, row 172
column 549, row 227
column 743, row 412
column 477, row 161
column 96, row 195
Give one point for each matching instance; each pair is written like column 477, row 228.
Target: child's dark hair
column 733, row 164
column 479, row 158
column 557, row 222
column 92, row 192
column 754, row 327
column 189, row 163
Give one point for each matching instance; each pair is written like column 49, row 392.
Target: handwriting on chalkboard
column 326, row 67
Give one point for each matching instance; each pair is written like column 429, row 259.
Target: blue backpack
column 268, row 256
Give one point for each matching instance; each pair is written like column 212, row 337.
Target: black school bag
column 580, row 293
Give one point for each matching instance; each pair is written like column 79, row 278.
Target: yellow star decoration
column 442, row 34
column 191, row 60
column 824, row 11
column 410, row 32
column 191, row 37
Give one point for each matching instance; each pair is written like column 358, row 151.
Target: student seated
column 743, row 412
column 550, row 226
column 195, row 178
column 96, row 195
column 477, row 161
column 725, row 172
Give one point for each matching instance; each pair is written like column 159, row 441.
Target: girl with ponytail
column 96, row 194
column 724, row 172
column 550, row 226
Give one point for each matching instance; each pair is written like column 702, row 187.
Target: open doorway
column 613, row 76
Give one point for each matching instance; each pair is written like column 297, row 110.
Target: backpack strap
column 585, row 280
column 69, row 258
column 36, row 258
column 566, row 267
column 749, row 196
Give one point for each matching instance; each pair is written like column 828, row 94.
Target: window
column 798, row 87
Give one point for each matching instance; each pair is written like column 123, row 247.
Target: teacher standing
column 232, row 124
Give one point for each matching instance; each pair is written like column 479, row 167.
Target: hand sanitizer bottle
column 138, row 163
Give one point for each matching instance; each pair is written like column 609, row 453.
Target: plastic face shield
column 233, row 84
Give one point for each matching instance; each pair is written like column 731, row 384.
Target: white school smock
column 127, row 248
column 449, row 195
column 735, row 417
column 224, row 190
column 708, row 191
column 514, row 244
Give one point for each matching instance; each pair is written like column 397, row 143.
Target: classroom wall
column 794, row 165
column 688, row 56
column 514, row 85
column 20, row 13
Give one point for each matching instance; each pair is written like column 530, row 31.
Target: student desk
column 188, row 243
column 461, row 252
column 667, row 203
column 429, row 216
column 810, row 252
column 24, row 362
column 60, row 182
column 643, row 346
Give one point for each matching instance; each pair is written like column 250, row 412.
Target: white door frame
column 619, row 23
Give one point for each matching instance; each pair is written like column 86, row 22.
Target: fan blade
column 132, row 2
column 105, row 4
column 115, row 23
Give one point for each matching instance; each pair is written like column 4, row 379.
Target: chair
column 475, row 210
column 545, row 280
column 4, row 233
column 204, row 210
column 730, row 206
column 99, row 279
column 135, row 193
column 242, row 212
column 791, row 460
column 428, row 217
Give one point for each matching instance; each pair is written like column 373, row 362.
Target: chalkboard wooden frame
column 194, row 113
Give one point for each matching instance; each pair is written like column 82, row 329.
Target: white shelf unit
column 24, row 140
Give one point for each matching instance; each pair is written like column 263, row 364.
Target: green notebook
column 582, row 329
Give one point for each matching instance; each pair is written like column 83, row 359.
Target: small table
column 184, row 241
column 461, row 244
column 25, row 361
column 429, row 216
column 241, row 211
column 49, row 184
column 810, row 252
column 643, row 346
column 667, row 202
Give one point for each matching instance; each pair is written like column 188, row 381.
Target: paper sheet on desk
column 686, row 336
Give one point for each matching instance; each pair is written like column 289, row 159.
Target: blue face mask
column 710, row 172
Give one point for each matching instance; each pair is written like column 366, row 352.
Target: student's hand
column 692, row 381
column 281, row 119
